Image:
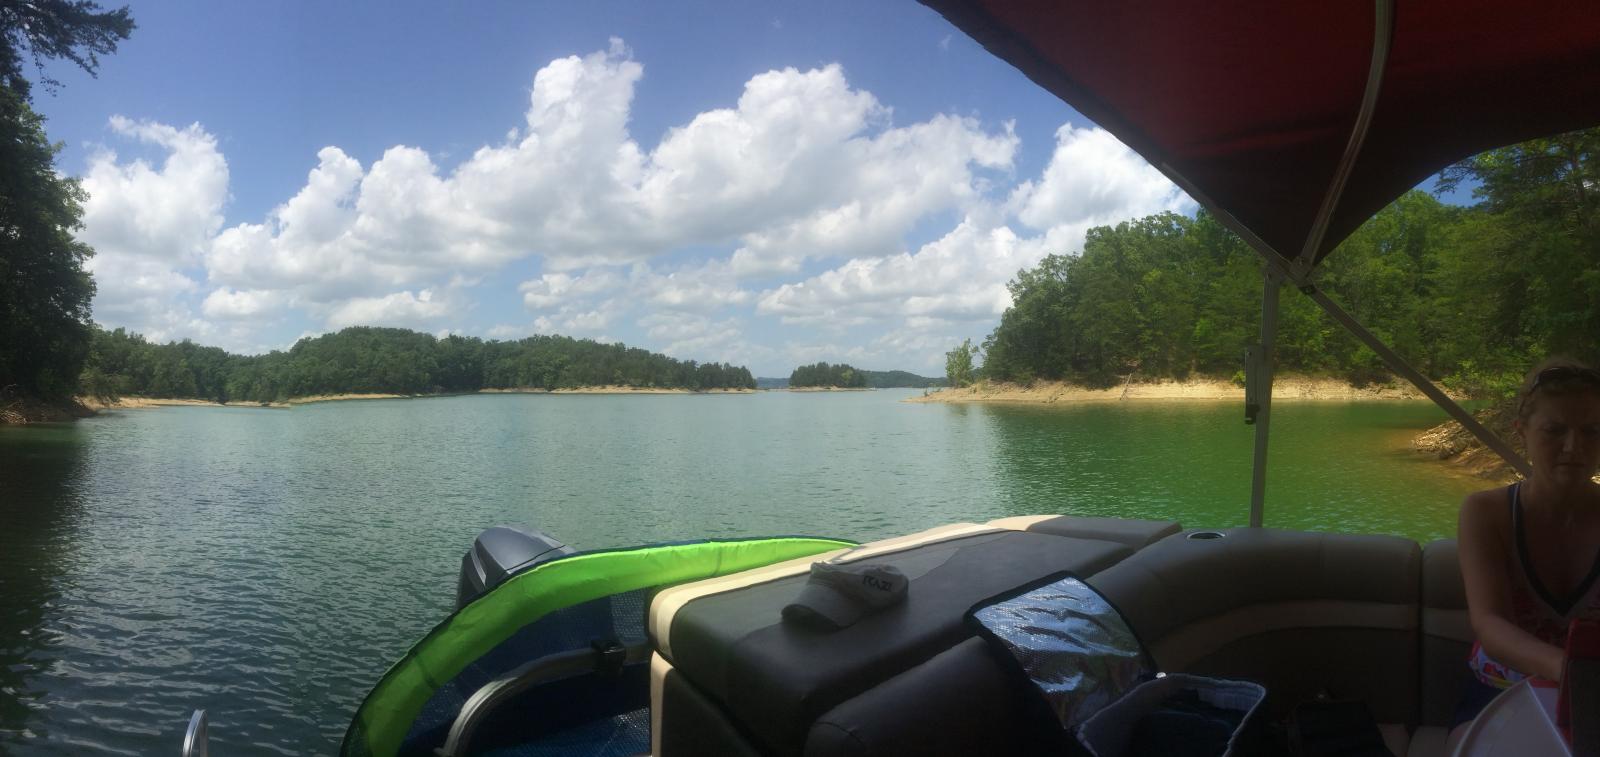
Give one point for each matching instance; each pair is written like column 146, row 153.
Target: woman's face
column 1563, row 437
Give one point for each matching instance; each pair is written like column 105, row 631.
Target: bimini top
column 1253, row 106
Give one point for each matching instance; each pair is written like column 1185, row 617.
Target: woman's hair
column 1557, row 376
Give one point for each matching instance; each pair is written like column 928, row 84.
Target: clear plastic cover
column 1072, row 643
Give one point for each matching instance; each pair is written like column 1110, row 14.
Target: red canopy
column 1250, row 106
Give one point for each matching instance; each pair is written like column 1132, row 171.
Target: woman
column 1530, row 552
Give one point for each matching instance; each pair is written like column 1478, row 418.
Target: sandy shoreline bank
column 136, row 403
column 614, row 390
column 1285, row 388
column 1290, row 388
column 348, row 397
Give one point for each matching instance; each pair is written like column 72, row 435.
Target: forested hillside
column 874, row 379
column 364, row 359
column 900, row 379
column 839, row 376
column 1472, row 296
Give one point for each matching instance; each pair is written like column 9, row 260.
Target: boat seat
column 1302, row 613
column 1135, row 534
column 732, row 668
column 1446, row 633
column 959, row 703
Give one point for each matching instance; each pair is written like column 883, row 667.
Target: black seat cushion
column 961, row 702
column 774, row 679
column 1137, row 534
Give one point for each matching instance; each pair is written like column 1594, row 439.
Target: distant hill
column 900, row 379
column 875, row 380
column 372, row 360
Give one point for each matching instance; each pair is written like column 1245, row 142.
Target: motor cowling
column 499, row 553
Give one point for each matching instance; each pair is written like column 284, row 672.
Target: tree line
column 371, row 360
column 840, row 376
column 45, row 292
column 899, row 380
column 1471, row 296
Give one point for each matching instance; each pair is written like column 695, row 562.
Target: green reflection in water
column 270, row 564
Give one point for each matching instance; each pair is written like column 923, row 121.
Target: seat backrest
column 1446, row 633
column 1302, row 613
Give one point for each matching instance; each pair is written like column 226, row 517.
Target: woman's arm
column 1482, row 539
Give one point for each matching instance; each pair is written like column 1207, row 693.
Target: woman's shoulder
column 1488, row 509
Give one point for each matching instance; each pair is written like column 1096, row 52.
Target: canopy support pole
column 1399, row 366
column 1260, row 380
column 1382, row 36
column 1298, row 270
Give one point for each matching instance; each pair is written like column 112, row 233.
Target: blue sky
column 760, row 183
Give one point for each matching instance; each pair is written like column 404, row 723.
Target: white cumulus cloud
column 786, row 208
column 415, row 310
column 1092, row 179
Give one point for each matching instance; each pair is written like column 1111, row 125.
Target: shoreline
column 315, row 398
column 1284, row 388
column 610, row 390
column 1452, row 444
column 141, row 403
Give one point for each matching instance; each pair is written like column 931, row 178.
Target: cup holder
column 1206, row 535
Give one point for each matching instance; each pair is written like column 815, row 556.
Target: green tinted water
column 268, row 565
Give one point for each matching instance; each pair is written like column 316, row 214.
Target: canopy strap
column 1298, row 272
column 1399, row 366
column 1382, row 35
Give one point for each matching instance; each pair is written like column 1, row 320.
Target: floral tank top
column 1534, row 608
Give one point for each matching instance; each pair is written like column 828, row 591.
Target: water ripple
column 269, row 566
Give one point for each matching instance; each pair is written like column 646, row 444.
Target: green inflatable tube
column 381, row 723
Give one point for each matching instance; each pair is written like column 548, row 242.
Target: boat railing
column 600, row 657
column 194, row 737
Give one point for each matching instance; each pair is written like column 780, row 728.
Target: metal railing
column 601, row 657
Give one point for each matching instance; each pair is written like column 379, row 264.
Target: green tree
column 958, row 364
column 49, row 29
column 44, row 291
column 1523, row 272
column 824, row 375
column 365, row 359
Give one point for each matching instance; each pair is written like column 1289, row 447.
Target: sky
column 765, row 184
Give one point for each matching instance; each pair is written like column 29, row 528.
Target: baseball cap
column 837, row 595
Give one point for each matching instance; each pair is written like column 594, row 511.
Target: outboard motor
column 499, row 553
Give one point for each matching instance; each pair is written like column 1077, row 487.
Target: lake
column 268, row 565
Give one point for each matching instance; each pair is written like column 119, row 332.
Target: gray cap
column 837, row 595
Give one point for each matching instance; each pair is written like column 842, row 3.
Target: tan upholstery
column 1302, row 613
column 658, row 683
